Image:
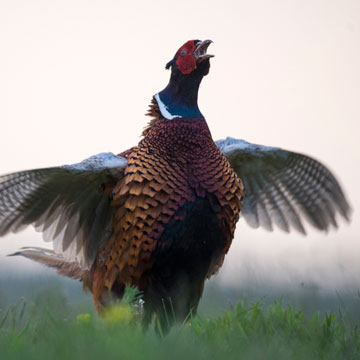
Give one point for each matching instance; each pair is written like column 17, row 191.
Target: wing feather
column 274, row 207
column 261, row 206
column 67, row 203
column 282, row 186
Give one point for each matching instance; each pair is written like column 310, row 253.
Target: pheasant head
column 190, row 57
column 189, row 65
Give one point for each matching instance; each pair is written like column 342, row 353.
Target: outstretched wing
column 68, row 204
column 282, row 186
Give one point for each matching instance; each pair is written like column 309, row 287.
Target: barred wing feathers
column 68, row 204
column 282, row 187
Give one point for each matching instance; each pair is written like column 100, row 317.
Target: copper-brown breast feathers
column 144, row 201
column 156, row 186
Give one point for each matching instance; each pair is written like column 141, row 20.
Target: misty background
column 76, row 78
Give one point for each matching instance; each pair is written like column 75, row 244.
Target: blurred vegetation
column 53, row 319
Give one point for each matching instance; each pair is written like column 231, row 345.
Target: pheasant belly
column 169, row 261
column 188, row 251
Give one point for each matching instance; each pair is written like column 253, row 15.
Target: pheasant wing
column 282, row 187
column 68, row 204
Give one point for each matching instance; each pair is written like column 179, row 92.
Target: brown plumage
column 174, row 165
column 161, row 216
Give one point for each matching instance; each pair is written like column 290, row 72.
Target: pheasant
column 161, row 216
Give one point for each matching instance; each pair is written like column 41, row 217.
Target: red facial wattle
column 185, row 59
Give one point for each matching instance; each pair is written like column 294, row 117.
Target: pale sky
column 76, row 78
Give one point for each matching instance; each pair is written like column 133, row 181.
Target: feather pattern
column 281, row 186
column 51, row 259
column 173, row 165
column 68, row 204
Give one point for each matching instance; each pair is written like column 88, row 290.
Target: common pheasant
column 161, row 216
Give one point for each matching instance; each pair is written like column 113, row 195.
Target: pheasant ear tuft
column 169, row 64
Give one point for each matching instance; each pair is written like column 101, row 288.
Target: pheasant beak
column 200, row 52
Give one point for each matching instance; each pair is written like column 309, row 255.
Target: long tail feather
column 51, row 259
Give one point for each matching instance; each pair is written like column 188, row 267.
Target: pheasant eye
column 183, row 52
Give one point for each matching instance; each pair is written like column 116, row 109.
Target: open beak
column 200, row 52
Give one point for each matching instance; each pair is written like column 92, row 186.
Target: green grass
column 49, row 327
